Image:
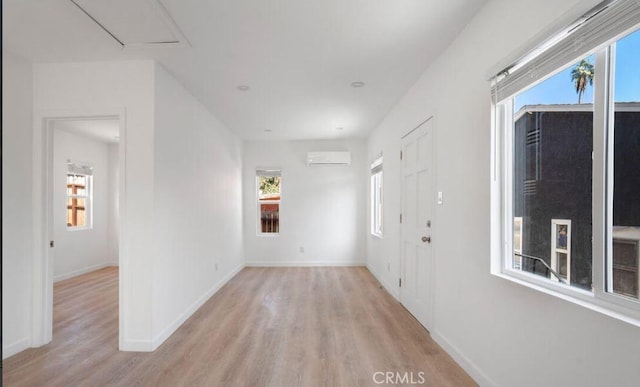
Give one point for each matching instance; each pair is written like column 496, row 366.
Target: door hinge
column 400, row 218
column 399, row 282
column 51, row 243
column 400, row 155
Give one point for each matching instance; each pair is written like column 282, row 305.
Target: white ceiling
column 298, row 57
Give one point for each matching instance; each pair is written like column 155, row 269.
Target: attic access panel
column 134, row 22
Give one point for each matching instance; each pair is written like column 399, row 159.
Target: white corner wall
column 503, row 334
column 197, row 207
column 323, row 209
column 99, row 88
column 81, row 251
column 17, row 111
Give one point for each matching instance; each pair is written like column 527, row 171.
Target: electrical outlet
column 215, row 267
column 302, row 249
column 440, row 197
column 388, row 266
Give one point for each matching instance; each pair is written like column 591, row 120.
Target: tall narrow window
column 517, row 242
column 78, row 198
column 561, row 249
column 552, row 144
column 269, row 183
column 376, row 197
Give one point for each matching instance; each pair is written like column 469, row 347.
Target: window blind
column 376, row 165
column 79, row 169
column 606, row 21
column 267, row 172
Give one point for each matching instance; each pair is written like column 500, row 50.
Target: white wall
column 17, row 109
column 322, row 210
column 197, row 205
column 81, row 251
column 99, row 88
column 502, row 333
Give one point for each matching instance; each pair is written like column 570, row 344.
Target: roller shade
column 601, row 24
column 268, row 172
column 376, row 165
column 79, row 168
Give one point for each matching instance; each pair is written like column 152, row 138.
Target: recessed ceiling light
column 243, row 88
column 357, row 84
column 267, row 130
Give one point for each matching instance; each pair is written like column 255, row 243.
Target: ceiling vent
column 328, row 158
column 134, row 23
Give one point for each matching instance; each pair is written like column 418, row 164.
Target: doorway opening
column 77, row 276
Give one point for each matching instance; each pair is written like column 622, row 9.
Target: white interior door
column 417, row 210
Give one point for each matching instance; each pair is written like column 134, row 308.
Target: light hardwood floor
column 267, row 327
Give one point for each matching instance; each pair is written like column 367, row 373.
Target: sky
column 560, row 89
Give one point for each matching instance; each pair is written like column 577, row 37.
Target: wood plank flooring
column 267, row 327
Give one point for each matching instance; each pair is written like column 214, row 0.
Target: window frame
column 376, row 197
column 88, row 200
column 269, row 172
column 600, row 298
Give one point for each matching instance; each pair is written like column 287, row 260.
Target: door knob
column 426, row 239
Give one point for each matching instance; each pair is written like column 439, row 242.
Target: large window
column 78, row 196
column 268, row 183
column 376, row 197
column 567, row 166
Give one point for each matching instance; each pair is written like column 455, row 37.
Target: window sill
column 576, row 296
column 79, row 228
column 269, row 235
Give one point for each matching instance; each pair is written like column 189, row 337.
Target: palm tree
column 581, row 74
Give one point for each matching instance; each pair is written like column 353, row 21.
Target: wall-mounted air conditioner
column 315, row 159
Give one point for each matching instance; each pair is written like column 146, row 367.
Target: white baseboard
column 84, row 270
column 169, row 330
column 393, row 290
column 136, row 346
column 303, row 263
column 471, row 368
column 13, row 348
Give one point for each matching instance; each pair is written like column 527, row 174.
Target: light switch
column 439, row 197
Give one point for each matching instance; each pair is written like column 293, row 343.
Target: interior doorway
column 79, row 182
column 85, row 195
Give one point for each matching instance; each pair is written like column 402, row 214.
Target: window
column 517, row 242
column 551, row 169
column 567, row 164
column 268, row 182
column 376, row 197
column 78, row 198
column 561, row 250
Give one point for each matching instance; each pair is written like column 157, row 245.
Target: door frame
column 42, row 205
column 430, row 323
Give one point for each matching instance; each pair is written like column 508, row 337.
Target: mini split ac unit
column 315, row 159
